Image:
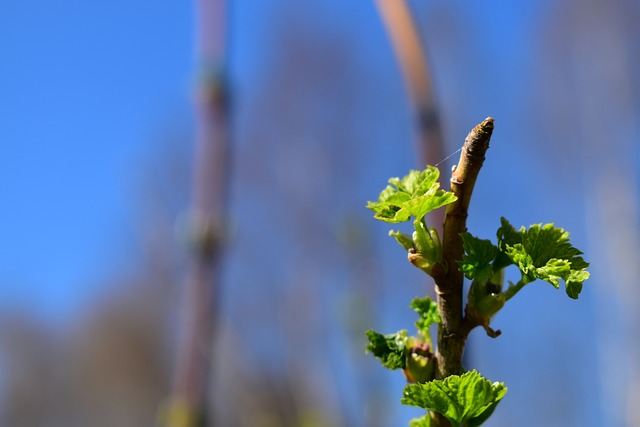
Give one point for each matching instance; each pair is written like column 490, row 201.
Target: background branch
column 414, row 64
column 188, row 404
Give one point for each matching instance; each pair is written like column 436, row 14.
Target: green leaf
column 458, row 398
column 478, row 256
column 479, row 420
column 388, row 348
column 507, row 234
column 427, row 247
column 424, row 421
column 403, row 239
column 427, row 309
column 544, row 252
column 574, row 282
column 553, row 271
column 416, row 194
column 421, row 205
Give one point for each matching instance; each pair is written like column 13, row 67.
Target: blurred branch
column 414, row 65
column 188, row 404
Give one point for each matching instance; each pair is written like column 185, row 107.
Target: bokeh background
column 97, row 129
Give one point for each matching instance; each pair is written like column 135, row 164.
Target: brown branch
column 414, row 65
column 454, row 328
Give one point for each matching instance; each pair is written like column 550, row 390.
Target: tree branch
column 453, row 329
column 188, row 403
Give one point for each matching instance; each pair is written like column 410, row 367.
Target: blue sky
column 83, row 89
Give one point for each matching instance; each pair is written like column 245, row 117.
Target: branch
column 453, row 330
column 414, row 64
column 188, row 403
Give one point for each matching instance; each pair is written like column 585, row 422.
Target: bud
column 420, row 366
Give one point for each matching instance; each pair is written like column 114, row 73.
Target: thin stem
column 514, row 289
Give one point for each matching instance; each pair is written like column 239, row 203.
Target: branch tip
column 477, row 142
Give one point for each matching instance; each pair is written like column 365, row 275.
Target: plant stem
column 453, row 328
column 513, row 289
column 188, row 404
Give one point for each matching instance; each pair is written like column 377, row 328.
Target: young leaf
column 427, row 309
column 458, row 398
column 424, row 421
column 427, row 248
column 574, row 282
column 544, row 252
column 479, row 420
column 416, row 194
column 507, row 236
column 403, row 239
column 478, row 255
column 390, row 349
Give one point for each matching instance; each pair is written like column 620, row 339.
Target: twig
column 453, row 328
column 452, row 335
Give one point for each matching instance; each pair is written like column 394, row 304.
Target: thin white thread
column 448, row 157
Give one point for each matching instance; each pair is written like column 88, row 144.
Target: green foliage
column 478, row 256
column 480, row 419
column 539, row 252
column 459, row 398
column 420, row 422
column 427, row 247
column 403, row 239
column 412, row 354
column 390, row 349
column 544, row 252
column 415, row 195
column 427, row 309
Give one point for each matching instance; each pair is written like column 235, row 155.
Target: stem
column 453, row 328
column 513, row 289
column 188, row 403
